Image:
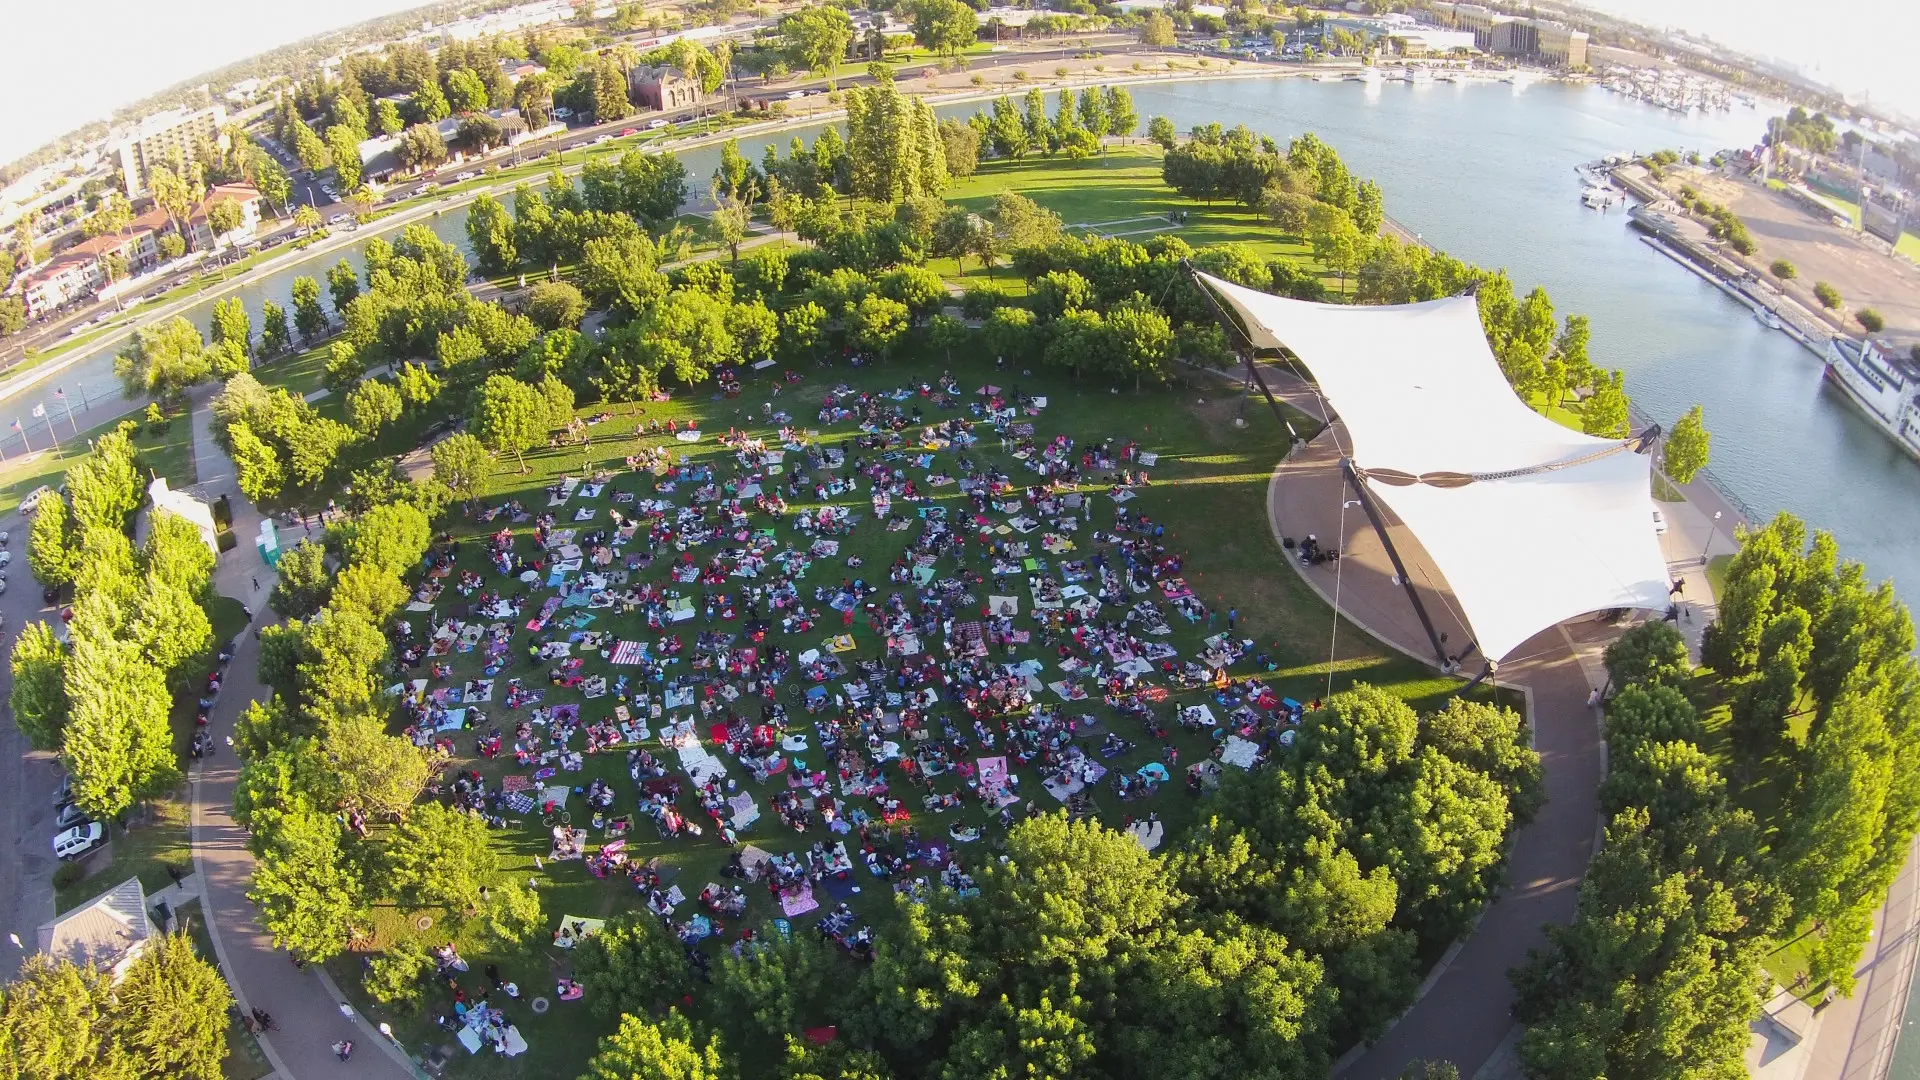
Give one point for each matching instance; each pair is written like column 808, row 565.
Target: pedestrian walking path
column 306, row 1012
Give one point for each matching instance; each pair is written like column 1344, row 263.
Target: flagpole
column 23, row 434
column 51, row 433
column 62, row 395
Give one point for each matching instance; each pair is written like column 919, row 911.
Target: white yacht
column 1884, row 386
column 1600, row 196
column 1421, row 76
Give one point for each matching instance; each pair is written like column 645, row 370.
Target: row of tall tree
column 329, row 797
column 139, row 634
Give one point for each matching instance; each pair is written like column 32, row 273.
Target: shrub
column 1783, row 270
column 1060, row 73
column 979, row 80
column 1828, row 296
column 1870, row 319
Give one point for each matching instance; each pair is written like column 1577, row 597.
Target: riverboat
column 1885, row 387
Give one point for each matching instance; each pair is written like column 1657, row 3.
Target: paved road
column 307, row 1020
column 27, row 780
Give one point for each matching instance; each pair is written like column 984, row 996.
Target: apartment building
column 159, row 138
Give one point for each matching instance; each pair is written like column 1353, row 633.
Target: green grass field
column 1210, row 473
column 168, row 452
column 1119, row 193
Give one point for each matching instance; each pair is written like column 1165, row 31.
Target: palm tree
column 306, row 218
column 626, row 58
column 363, row 200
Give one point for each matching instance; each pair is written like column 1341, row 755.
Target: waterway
column 1485, row 171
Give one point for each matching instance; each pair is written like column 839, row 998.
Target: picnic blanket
column 630, row 652
column 745, row 811
column 797, row 900
column 1239, row 752
column 575, row 929
column 993, row 781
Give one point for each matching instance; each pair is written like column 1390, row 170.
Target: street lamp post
column 1712, row 531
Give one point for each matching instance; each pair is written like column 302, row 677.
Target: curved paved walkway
column 1463, row 1013
column 304, row 1004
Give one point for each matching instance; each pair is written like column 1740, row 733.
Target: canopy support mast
column 1238, row 338
column 1393, row 553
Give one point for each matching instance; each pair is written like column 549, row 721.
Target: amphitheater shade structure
column 1530, row 523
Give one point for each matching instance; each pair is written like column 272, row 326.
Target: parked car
column 79, row 840
column 6, row 558
column 32, row 502
column 627, row 132
column 468, row 175
column 4, row 537
column 69, row 817
column 657, row 125
column 63, row 794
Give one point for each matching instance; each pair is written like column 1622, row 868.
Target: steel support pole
column 1393, row 553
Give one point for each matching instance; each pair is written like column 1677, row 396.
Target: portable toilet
column 268, row 543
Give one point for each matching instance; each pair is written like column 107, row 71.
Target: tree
column 421, row 147
column 1121, row 117
column 223, row 218
column 1784, row 270
column 306, row 219
column 1157, row 30
column 1869, row 320
column 418, row 387
column 491, row 233
column 230, row 323
column 392, row 536
column 556, row 305
column 668, row 1050
column 39, row 696
column 165, row 1017
column 175, row 1006
column 163, row 360
column 479, row 133
column 510, row 417
column 1652, row 652
column 274, row 335
column 396, row 977
column 310, row 894
column 52, row 546
column 386, row 116
column 1686, row 449
column 945, row 27
column 960, row 145
column 118, row 743
column 257, row 465
column 372, row 405
column 462, row 463
column 465, row 92
column 439, row 857
column 367, row 769
column 1160, row 131
column 343, row 286
column 1605, row 412
column 343, row 147
column 877, row 324
column 176, row 554
column 633, row 966
column 308, row 147
column 308, row 316
column 303, row 582
column 610, row 101
column 1828, row 296
column 816, row 38
column 430, row 106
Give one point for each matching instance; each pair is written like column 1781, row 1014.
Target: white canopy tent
column 1531, row 523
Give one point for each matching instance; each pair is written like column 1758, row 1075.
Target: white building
column 185, row 506
column 158, row 137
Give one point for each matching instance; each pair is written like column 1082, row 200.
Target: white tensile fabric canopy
column 1420, row 392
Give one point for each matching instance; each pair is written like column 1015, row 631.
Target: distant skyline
column 135, row 48
column 1855, row 45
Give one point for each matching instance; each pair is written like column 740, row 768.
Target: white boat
column 1369, row 75
column 1767, row 318
column 1884, row 386
column 1421, row 77
column 1599, row 196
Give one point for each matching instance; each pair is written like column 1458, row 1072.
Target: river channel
column 1485, row 171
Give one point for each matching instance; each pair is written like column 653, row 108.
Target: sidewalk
column 306, row 1014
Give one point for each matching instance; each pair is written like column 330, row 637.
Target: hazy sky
column 74, row 61
column 133, row 48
